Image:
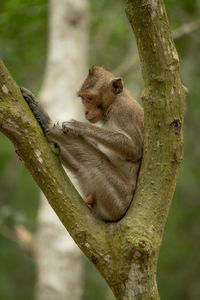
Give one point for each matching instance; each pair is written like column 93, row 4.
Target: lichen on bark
column 125, row 252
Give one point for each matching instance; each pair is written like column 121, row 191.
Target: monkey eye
column 89, row 98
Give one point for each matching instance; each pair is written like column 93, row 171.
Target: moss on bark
column 125, row 252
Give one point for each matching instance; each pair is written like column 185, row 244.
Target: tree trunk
column 57, row 254
column 125, row 252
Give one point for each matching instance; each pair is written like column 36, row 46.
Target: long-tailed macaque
column 105, row 159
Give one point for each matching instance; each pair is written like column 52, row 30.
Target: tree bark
column 125, row 252
column 57, row 254
column 133, row 60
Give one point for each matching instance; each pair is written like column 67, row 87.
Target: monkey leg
column 99, row 179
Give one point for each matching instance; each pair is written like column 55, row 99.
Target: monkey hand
column 74, row 127
column 42, row 117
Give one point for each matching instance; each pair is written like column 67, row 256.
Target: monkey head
column 98, row 92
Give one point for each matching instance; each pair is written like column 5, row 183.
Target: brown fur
column 105, row 159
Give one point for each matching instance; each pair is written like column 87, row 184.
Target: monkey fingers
column 30, row 99
column 28, row 96
column 90, row 199
column 53, row 130
column 72, row 127
column 42, row 117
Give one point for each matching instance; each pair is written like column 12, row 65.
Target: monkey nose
column 86, row 113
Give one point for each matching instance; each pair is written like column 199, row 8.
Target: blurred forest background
column 23, row 43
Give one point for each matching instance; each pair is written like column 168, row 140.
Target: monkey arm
column 114, row 140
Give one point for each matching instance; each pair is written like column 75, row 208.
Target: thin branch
column 132, row 61
column 186, row 29
column 21, row 236
column 25, row 237
column 127, row 65
column 8, row 234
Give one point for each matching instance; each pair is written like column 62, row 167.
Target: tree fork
column 124, row 252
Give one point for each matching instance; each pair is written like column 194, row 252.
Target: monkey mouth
column 92, row 120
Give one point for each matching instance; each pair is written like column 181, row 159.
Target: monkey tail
column 42, row 117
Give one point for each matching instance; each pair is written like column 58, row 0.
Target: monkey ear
column 92, row 69
column 117, row 85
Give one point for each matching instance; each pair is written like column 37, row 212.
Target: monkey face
column 98, row 92
column 94, row 111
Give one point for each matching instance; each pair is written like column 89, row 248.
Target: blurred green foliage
column 23, row 38
column 23, row 26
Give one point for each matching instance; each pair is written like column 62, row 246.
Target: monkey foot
column 89, row 199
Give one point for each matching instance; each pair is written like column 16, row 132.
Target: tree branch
column 125, row 252
column 19, row 235
column 164, row 101
column 19, row 125
column 95, row 237
column 186, row 29
column 133, row 60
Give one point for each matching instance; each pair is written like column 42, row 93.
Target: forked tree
column 125, row 252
